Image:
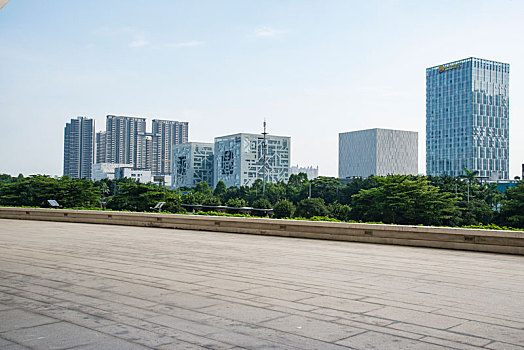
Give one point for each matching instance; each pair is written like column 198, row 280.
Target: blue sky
column 311, row 68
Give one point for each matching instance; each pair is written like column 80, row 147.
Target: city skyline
column 349, row 66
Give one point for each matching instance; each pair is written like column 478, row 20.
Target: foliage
column 340, row 211
column 405, row 200
column 283, row 209
column 220, row 189
column 310, row 207
column 236, row 202
column 35, row 190
column 512, row 207
column 212, row 200
column 261, row 203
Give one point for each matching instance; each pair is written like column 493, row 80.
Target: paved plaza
column 81, row 286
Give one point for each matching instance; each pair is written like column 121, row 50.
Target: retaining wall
column 509, row 242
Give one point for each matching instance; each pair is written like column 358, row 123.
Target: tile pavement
column 80, row 286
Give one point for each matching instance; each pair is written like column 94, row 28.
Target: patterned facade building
column 239, row 159
column 377, row 152
column 79, row 148
column 165, row 135
column 467, row 118
column 192, row 163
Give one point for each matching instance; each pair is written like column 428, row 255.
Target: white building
column 309, row 171
column 378, row 152
column 192, row 163
column 142, row 176
column 107, row 170
column 239, row 159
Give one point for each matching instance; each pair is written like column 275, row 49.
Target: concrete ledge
column 508, row 242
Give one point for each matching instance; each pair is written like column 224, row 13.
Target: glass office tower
column 467, row 118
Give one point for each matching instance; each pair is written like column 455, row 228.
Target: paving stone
column 54, row 336
column 242, row 312
column 416, row 317
column 15, row 319
column 447, row 335
column 312, row 328
column 98, row 287
column 374, row 340
column 341, row 304
column 491, row 331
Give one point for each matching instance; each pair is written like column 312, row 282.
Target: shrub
column 284, row 209
column 310, row 207
column 262, row 203
column 236, row 202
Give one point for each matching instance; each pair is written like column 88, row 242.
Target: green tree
column 220, row 189
column 326, row 188
column 212, row 200
column 236, row 202
column 512, row 207
column 405, row 200
column 203, row 188
column 310, row 207
column 340, row 211
column 284, row 209
column 261, row 203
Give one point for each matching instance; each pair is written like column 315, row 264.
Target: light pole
column 264, row 161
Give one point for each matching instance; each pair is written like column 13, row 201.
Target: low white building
column 142, row 176
column 106, row 170
column 310, row 171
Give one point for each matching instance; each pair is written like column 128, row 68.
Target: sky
column 312, row 69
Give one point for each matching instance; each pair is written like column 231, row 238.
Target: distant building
column 239, row 159
column 165, row 135
column 79, row 148
column 192, row 163
column 377, row 152
column 310, row 171
column 142, row 176
column 125, row 138
column 106, row 170
column 467, row 118
column 100, row 147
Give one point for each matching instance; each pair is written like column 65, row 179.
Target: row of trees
column 399, row 199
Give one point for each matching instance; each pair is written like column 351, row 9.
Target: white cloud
column 191, row 43
column 139, row 41
column 267, row 32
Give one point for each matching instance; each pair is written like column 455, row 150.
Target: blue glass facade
column 467, row 118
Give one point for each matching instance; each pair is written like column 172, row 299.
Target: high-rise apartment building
column 100, row 147
column 125, row 138
column 192, row 163
column 165, row 135
column 377, row 152
column 79, row 148
column 239, row 159
column 467, row 118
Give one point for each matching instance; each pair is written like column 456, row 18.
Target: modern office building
column 377, row 152
column 239, row 159
column 310, row 171
column 165, row 135
column 106, row 170
column 79, row 148
column 125, row 138
column 192, row 163
column 467, row 118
